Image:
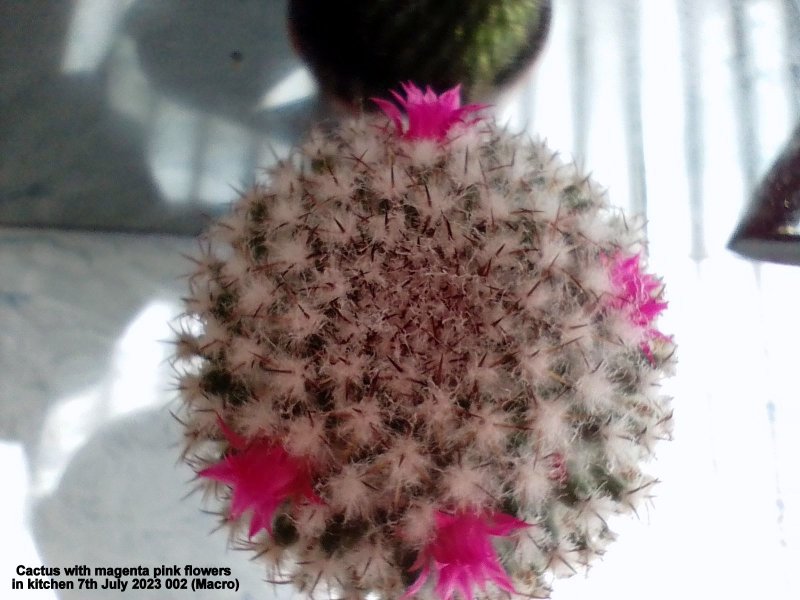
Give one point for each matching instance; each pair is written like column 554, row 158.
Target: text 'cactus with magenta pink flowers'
column 423, row 360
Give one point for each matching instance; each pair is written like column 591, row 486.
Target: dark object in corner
column 770, row 230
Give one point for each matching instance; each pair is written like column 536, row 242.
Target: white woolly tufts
column 257, row 419
column 554, row 250
column 286, row 376
column 404, row 464
column 418, row 524
column 490, row 430
column 465, row 485
column 304, row 437
column 432, row 326
column 348, row 492
column 216, row 335
column 363, row 423
column 254, row 293
column 423, row 153
column 311, row 520
column 596, row 391
column 533, row 482
column 292, row 254
column 243, row 353
column 552, row 426
column 286, row 212
column 596, row 280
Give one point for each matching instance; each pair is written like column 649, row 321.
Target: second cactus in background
column 359, row 49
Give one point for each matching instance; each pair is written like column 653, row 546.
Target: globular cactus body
column 428, row 360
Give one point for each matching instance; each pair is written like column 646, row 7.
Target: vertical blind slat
column 744, row 94
column 688, row 16
column 631, row 27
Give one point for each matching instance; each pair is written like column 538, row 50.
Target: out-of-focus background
column 145, row 116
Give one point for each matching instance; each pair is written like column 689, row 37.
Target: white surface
column 90, row 451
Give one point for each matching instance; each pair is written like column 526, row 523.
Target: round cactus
column 424, row 360
column 359, row 48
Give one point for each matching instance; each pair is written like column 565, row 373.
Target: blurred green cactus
column 358, row 49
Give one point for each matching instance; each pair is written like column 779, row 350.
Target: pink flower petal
column 462, row 554
column 429, row 116
column 637, row 295
column 417, row 585
column 263, row 476
column 234, row 439
column 391, row 111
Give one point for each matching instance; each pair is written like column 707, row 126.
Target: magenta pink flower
column 429, row 116
column 263, row 475
column 638, row 294
column 463, row 555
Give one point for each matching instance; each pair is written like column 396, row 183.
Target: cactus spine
column 443, row 331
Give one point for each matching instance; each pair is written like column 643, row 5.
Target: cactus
column 359, row 48
column 423, row 358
